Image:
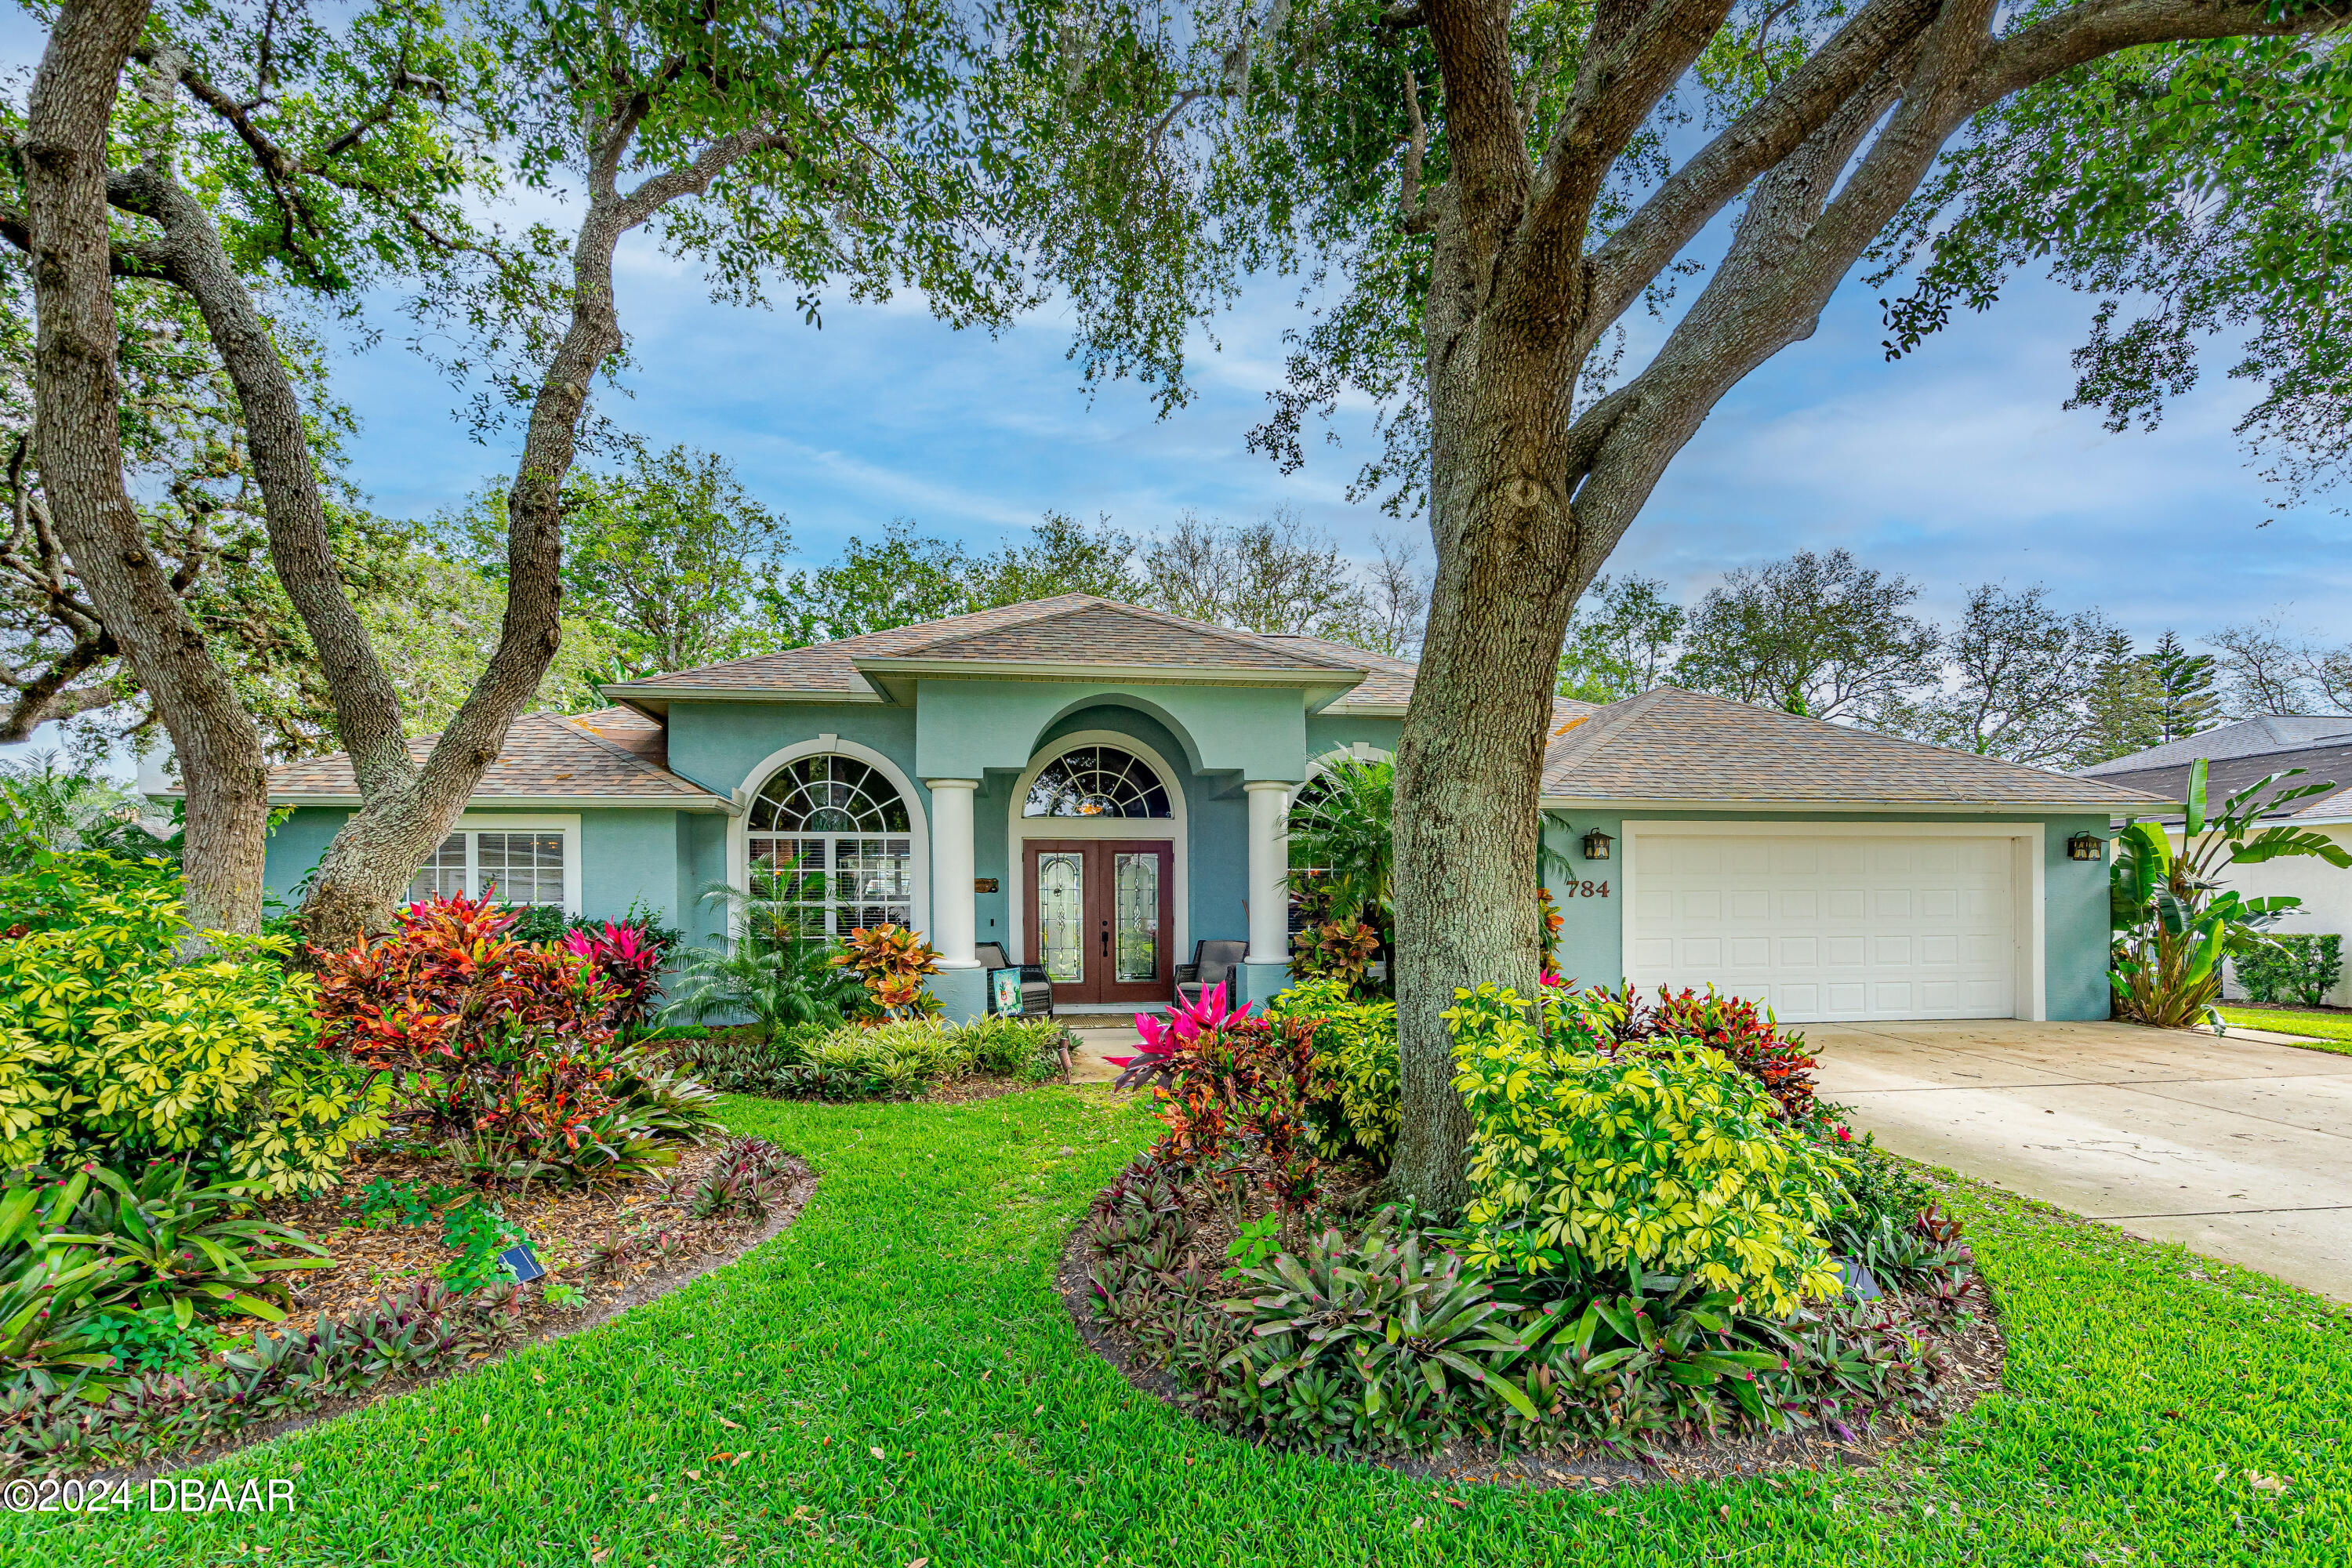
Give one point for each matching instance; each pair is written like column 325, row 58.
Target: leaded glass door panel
column 1100, row 918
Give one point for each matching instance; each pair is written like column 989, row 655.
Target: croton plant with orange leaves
column 893, row 961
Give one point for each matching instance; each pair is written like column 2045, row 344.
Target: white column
column 1269, row 872
column 951, row 900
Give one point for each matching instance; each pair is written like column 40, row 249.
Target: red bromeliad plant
column 630, row 963
column 1753, row 1040
column 1234, row 1092
column 485, row 1032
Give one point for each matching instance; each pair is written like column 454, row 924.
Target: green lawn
column 2324, row 1031
column 907, row 1387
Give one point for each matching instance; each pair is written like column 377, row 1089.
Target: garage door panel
column 1822, row 926
column 1698, row 857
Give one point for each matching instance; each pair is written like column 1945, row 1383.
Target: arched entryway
column 1099, row 849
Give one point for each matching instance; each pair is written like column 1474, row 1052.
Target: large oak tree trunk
column 371, row 859
column 76, row 390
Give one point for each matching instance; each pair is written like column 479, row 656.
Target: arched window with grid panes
column 1097, row 781
column 832, row 847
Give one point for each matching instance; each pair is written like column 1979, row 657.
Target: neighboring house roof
column 2325, row 762
column 612, row 756
column 1070, row 631
column 2246, row 738
column 1669, row 746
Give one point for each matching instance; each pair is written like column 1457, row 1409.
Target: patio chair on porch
column 1213, row 961
column 1036, row 988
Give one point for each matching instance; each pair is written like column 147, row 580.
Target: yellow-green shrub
column 1356, row 1049
column 1670, row 1158
column 110, row 1048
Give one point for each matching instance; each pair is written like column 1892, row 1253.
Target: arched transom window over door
column 1097, row 781
column 832, row 847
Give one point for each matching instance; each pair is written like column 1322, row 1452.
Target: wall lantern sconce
column 1596, row 844
column 2086, row 847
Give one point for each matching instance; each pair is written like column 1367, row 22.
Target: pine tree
column 2119, row 710
column 2185, row 701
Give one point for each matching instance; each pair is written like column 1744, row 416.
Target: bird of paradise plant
column 2174, row 923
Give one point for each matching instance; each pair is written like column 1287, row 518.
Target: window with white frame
column 512, row 866
column 832, row 847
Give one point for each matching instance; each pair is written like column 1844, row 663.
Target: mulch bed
column 1973, row 1350
column 566, row 1229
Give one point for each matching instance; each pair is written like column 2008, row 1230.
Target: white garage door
column 1831, row 928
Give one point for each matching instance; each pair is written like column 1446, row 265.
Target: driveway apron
column 2241, row 1149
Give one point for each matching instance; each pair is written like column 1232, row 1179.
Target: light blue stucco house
column 1096, row 787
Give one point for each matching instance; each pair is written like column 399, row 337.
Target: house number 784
column 1584, row 890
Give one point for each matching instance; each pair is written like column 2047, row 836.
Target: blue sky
column 1955, row 465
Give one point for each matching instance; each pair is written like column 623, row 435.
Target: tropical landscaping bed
column 1671, row 1253
column 1137, row 1330
column 256, row 1182
column 2155, row 1407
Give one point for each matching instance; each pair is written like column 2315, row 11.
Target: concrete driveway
column 2238, row 1149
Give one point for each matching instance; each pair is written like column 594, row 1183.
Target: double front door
column 1101, row 914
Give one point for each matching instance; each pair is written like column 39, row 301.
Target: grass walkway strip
column 892, row 1380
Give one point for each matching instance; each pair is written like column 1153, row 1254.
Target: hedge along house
column 1097, row 786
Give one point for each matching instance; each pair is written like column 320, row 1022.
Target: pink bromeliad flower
column 1185, row 1022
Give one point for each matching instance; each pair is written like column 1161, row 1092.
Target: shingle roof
column 2327, row 763
column 2247, row 737
column 1069, row 629
column 613, row 754
column 1387, row 681
column 1669, row 744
